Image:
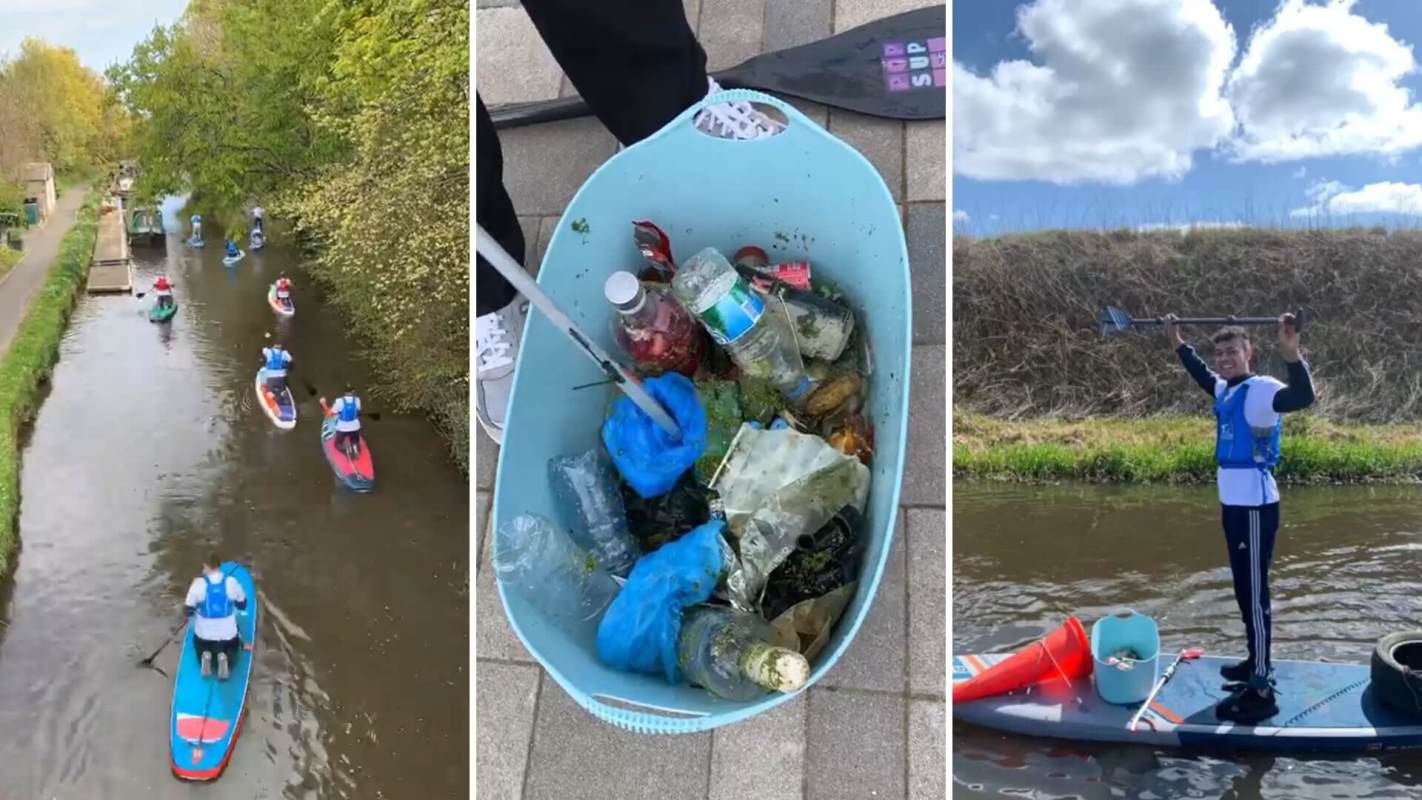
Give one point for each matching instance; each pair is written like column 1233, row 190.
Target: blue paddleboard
column 1323, row 706
column 207, row 713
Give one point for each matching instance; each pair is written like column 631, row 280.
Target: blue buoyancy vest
column 348, row 412
column 276, row 360
column 217, row 604
column 231, row 249
column 1237, row 445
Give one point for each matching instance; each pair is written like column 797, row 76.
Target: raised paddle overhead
column 206, row 714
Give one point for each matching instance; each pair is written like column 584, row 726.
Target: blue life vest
column 197, row 218
column 231, row 249
column 348, row 412
column 1237, row 445
column 217, row 604
column 276, row 359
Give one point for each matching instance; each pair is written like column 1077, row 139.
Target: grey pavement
column 41, row 248
column 874, row 726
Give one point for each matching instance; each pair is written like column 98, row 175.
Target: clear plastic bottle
column 590, row 504
column 538, row 561
column 729, row 653
column 760, row 342
column 652, row 328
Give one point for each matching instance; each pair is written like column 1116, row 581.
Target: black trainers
column 1238, row 672
column 1247, row 706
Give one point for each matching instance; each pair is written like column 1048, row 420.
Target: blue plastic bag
column 640, row 629
column 649, row 460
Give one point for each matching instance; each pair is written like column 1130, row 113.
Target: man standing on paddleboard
column 213, row 601
column 1247, row 425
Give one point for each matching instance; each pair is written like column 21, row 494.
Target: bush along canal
column 151, row 456
column 1156, row 629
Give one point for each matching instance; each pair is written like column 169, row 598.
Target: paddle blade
column 1113, row 320
column 896, row 67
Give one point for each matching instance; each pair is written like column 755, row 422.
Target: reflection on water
column 1346, row 572
column 147, row 454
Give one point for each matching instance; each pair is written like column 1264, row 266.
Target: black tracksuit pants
column 1249, row 536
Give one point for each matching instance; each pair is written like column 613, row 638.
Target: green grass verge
column 32, row 354
column 1174, row 449
column 9, row 257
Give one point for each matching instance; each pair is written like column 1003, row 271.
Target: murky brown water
column 1347, row 570
column 148, row 453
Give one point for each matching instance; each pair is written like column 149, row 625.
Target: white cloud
column 1120, row 91
column 1386, row 197
column 1301, row 172
column 959, row 215
column 1319, row 80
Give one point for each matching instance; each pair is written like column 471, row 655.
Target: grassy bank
column 1175, row 449
column 8, row 258
column 31, row 355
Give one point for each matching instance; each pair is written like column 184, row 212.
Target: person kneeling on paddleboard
column 1247, row 426
column 283, row 289
column 214, row 598
column 163, row 290
column 276, row 361
column 346, row 410
column 232, row 249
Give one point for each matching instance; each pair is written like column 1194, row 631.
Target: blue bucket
column 801, row 194
column 1125, row 629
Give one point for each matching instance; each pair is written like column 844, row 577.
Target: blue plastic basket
column 800, row 194
column 1125, row 628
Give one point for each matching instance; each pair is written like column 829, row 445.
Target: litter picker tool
column 628, row 382
column 1188, row 654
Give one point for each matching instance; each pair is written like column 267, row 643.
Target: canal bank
column 36, row 297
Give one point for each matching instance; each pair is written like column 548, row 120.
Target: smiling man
column 1247, row 424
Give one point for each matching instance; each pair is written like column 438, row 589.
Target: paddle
column 1188, row 654
column 628, row 382
column 139, row 295
column 1114, row 320
column 148, row 662
column 894, row 67
column 311, row 390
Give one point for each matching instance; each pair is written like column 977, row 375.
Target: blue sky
column 1112, row 113
column 101, row 32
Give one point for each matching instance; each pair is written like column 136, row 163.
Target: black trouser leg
column 494, row 212
column 636, row 63
column 1249, row 534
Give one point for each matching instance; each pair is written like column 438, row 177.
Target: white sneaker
column 206, row 667
column 496, row 340
column 735, row 120
column 222, row 671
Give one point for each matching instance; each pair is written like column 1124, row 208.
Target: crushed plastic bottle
column 585, row 489
column 730, row 655
column 761, row 343
column 538, row 562
column 652, row 328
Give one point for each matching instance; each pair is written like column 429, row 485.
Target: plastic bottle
column 761, row 343
column 651, row 328
column 729, row 653
column 538, row 561
column 590, row 505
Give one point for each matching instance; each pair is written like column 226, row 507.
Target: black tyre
column 1397, row 672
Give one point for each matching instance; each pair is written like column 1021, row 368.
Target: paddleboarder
column 277, row 359
column 283, row 289
column 163, row 290
column 638, row 65
column 346, row 410
column 1247, row 428
column 213, row 601
column 257, row 215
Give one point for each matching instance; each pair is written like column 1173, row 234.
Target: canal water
column 147, row 454
column 1347, row 570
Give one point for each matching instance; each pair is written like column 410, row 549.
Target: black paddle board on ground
column 896, row 67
